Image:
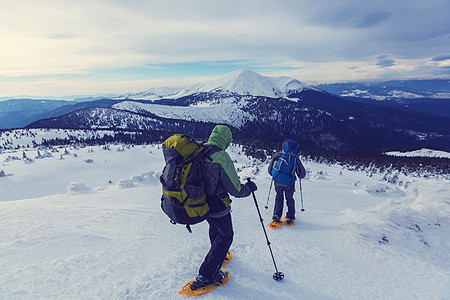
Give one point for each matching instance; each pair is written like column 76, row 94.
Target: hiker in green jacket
column 221, row 180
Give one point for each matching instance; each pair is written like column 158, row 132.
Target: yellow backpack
column 184, row 199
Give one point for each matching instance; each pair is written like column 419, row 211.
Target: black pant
column 278, row 208
column 221, row 236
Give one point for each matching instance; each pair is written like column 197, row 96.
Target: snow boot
column 219, row 277
column 288, row 221
column 200, row 282
column 276, row 223
column 202, row 285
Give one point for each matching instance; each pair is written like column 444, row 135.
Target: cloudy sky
column 66, row 47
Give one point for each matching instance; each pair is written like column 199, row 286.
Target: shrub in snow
column 307, row 174
column 47, row 154
column 2, row 173
column 151, row 177
column 377, row 189
column 11, row 158
column 380, row 189
column 137, row 178
column 383, row 240
column 321, row 175
column 27, row 160
column 125, row 183
column 89, row 161
column 77, row 188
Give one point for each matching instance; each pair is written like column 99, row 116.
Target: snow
column 226, row 111
column 385, row 95
column 422, row 153
column 12, row 139
column 76, row 230
column 441, row 96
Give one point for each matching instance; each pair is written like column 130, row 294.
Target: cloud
column 387, row 62
column 384, row 61
column 373, row 19
column 441, row 57
column 61, row 35
column 112, row 38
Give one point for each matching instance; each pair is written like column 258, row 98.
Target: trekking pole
column 268, row 197
column 301, row 194
column 277, row 275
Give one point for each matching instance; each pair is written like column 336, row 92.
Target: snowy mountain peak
column 241, row 82
column 246, row 82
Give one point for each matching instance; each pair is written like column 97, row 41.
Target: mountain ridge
column 280, row 108
column 240, row 82
column 316, row 120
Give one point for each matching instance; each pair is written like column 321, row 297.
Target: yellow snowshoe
column 204, row 289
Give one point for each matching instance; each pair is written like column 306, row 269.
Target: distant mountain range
column 17, row 113
column 420, row 96
column 391, row 90
column 265, row 109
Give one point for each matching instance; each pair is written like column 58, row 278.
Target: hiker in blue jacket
column 221, row 180
column 283, row 168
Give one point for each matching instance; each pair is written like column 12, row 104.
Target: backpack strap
column 292, row 174
column 280, row 165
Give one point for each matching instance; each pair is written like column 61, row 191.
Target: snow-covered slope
column 25, row 138
column 227, row 111
column 421, row 152
column 89, row 226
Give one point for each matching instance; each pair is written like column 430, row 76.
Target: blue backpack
column 283, row 170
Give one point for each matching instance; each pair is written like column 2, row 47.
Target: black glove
column 251, row 185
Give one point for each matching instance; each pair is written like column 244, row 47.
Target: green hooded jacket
column 221, row 177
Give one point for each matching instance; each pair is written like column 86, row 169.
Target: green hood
column 220, row 137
